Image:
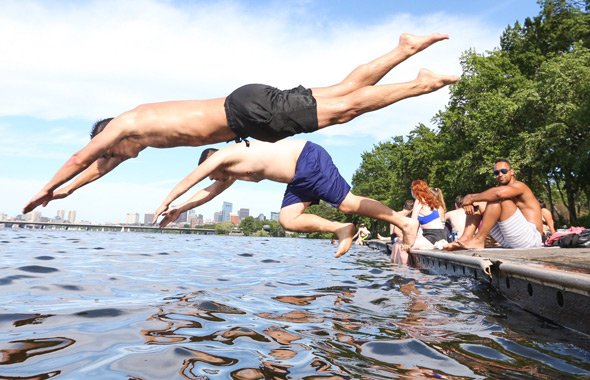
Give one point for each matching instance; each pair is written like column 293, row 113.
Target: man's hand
column 170, row 216
column 42, row 198
column 469, row 209
column 59, row 194
column 159, row 212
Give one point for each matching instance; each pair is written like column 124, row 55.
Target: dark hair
column 459, row 201
column 206, row 153
column 409, row 204
column 99, row 126
column 502, row 160
column 541, row 203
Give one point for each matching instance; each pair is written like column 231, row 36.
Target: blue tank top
column 428, row 218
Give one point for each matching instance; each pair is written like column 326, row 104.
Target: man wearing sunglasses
column 512, row 215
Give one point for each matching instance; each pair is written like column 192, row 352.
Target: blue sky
column 66, row 64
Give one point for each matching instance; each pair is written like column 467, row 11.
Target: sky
column 67, row 64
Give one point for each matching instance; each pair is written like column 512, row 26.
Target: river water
column 97, row 305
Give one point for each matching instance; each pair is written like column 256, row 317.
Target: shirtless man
column 310, row 174
column 512, row 215
column 457, row 217
column 257, row 111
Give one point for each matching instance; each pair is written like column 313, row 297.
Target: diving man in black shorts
column 257, row 111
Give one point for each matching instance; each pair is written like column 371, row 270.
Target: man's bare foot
column 454, row 246
column 433, row 81
column 413, row 44
column 344, row 234
column 410, row 231
column 473, row 244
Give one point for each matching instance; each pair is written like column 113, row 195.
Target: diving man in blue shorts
column 258, row 111
column 310, row 175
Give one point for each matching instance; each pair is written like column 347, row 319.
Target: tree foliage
column 527, row 102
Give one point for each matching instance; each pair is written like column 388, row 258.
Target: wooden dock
column 553, row 283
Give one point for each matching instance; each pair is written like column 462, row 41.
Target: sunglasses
column 503, row 171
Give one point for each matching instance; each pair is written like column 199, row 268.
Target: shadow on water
column 125, row 305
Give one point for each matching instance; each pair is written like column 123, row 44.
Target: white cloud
column 101, row 58
column 88, row 60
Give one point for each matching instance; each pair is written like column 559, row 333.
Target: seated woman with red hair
column 426, row 211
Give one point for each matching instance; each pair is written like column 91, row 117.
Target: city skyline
column 134, row 217
column 48, row 106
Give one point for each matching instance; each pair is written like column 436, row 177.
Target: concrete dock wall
column 552, row 283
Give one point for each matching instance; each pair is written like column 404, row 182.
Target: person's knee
column 336, row 111
column 349, row 204
column 285, row 219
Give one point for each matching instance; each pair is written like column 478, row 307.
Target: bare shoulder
column 523, row 187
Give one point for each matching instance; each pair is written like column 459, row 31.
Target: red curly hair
column 424, row 195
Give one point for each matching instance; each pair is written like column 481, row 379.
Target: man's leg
column 494, row 212
column 338, row 110
column 370, row 73
column 292, row 218
column 371, row 208
column 471, row 225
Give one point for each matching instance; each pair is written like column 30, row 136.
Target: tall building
column 194, row 219
column 34, row 216
column 182, row 218
column 274, row 216
column 243, row 213
column 226, row 211
column 199, row 220
column 61, row 215
column 235, row 219
column 147, row 219
column 217, row 216
column 261, row 217
column 132, row 218
column 72, row 216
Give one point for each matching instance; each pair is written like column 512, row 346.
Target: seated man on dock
column 512, row 215
column 310, row 174
column 252, row 111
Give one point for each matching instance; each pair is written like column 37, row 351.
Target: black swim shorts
column 269, row 114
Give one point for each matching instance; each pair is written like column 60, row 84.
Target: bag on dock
column 575, row 240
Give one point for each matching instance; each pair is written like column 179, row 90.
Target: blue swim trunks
column 316, row 178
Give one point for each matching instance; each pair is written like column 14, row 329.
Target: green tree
column 249, row 225
column 223, row 228
column 527, row 102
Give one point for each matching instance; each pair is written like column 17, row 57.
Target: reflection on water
column 151, row 306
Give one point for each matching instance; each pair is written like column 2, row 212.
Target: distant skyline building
column 147, row 219
column 61, row 214
column 34, row 216
column 182, row 218
column 261, row 217
column 72, row 216
column 243, row 213
column 274, row 216
column 195, row 220
column 234, row 219
column 132, row 218
column 217, row 217
column 226, row 210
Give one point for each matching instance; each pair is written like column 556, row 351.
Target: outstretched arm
column 203, row 170
column 79, row 161
column 201, row 197
column 96, row 170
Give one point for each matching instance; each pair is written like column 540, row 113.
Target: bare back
column 262, row 160
column 175, row 123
